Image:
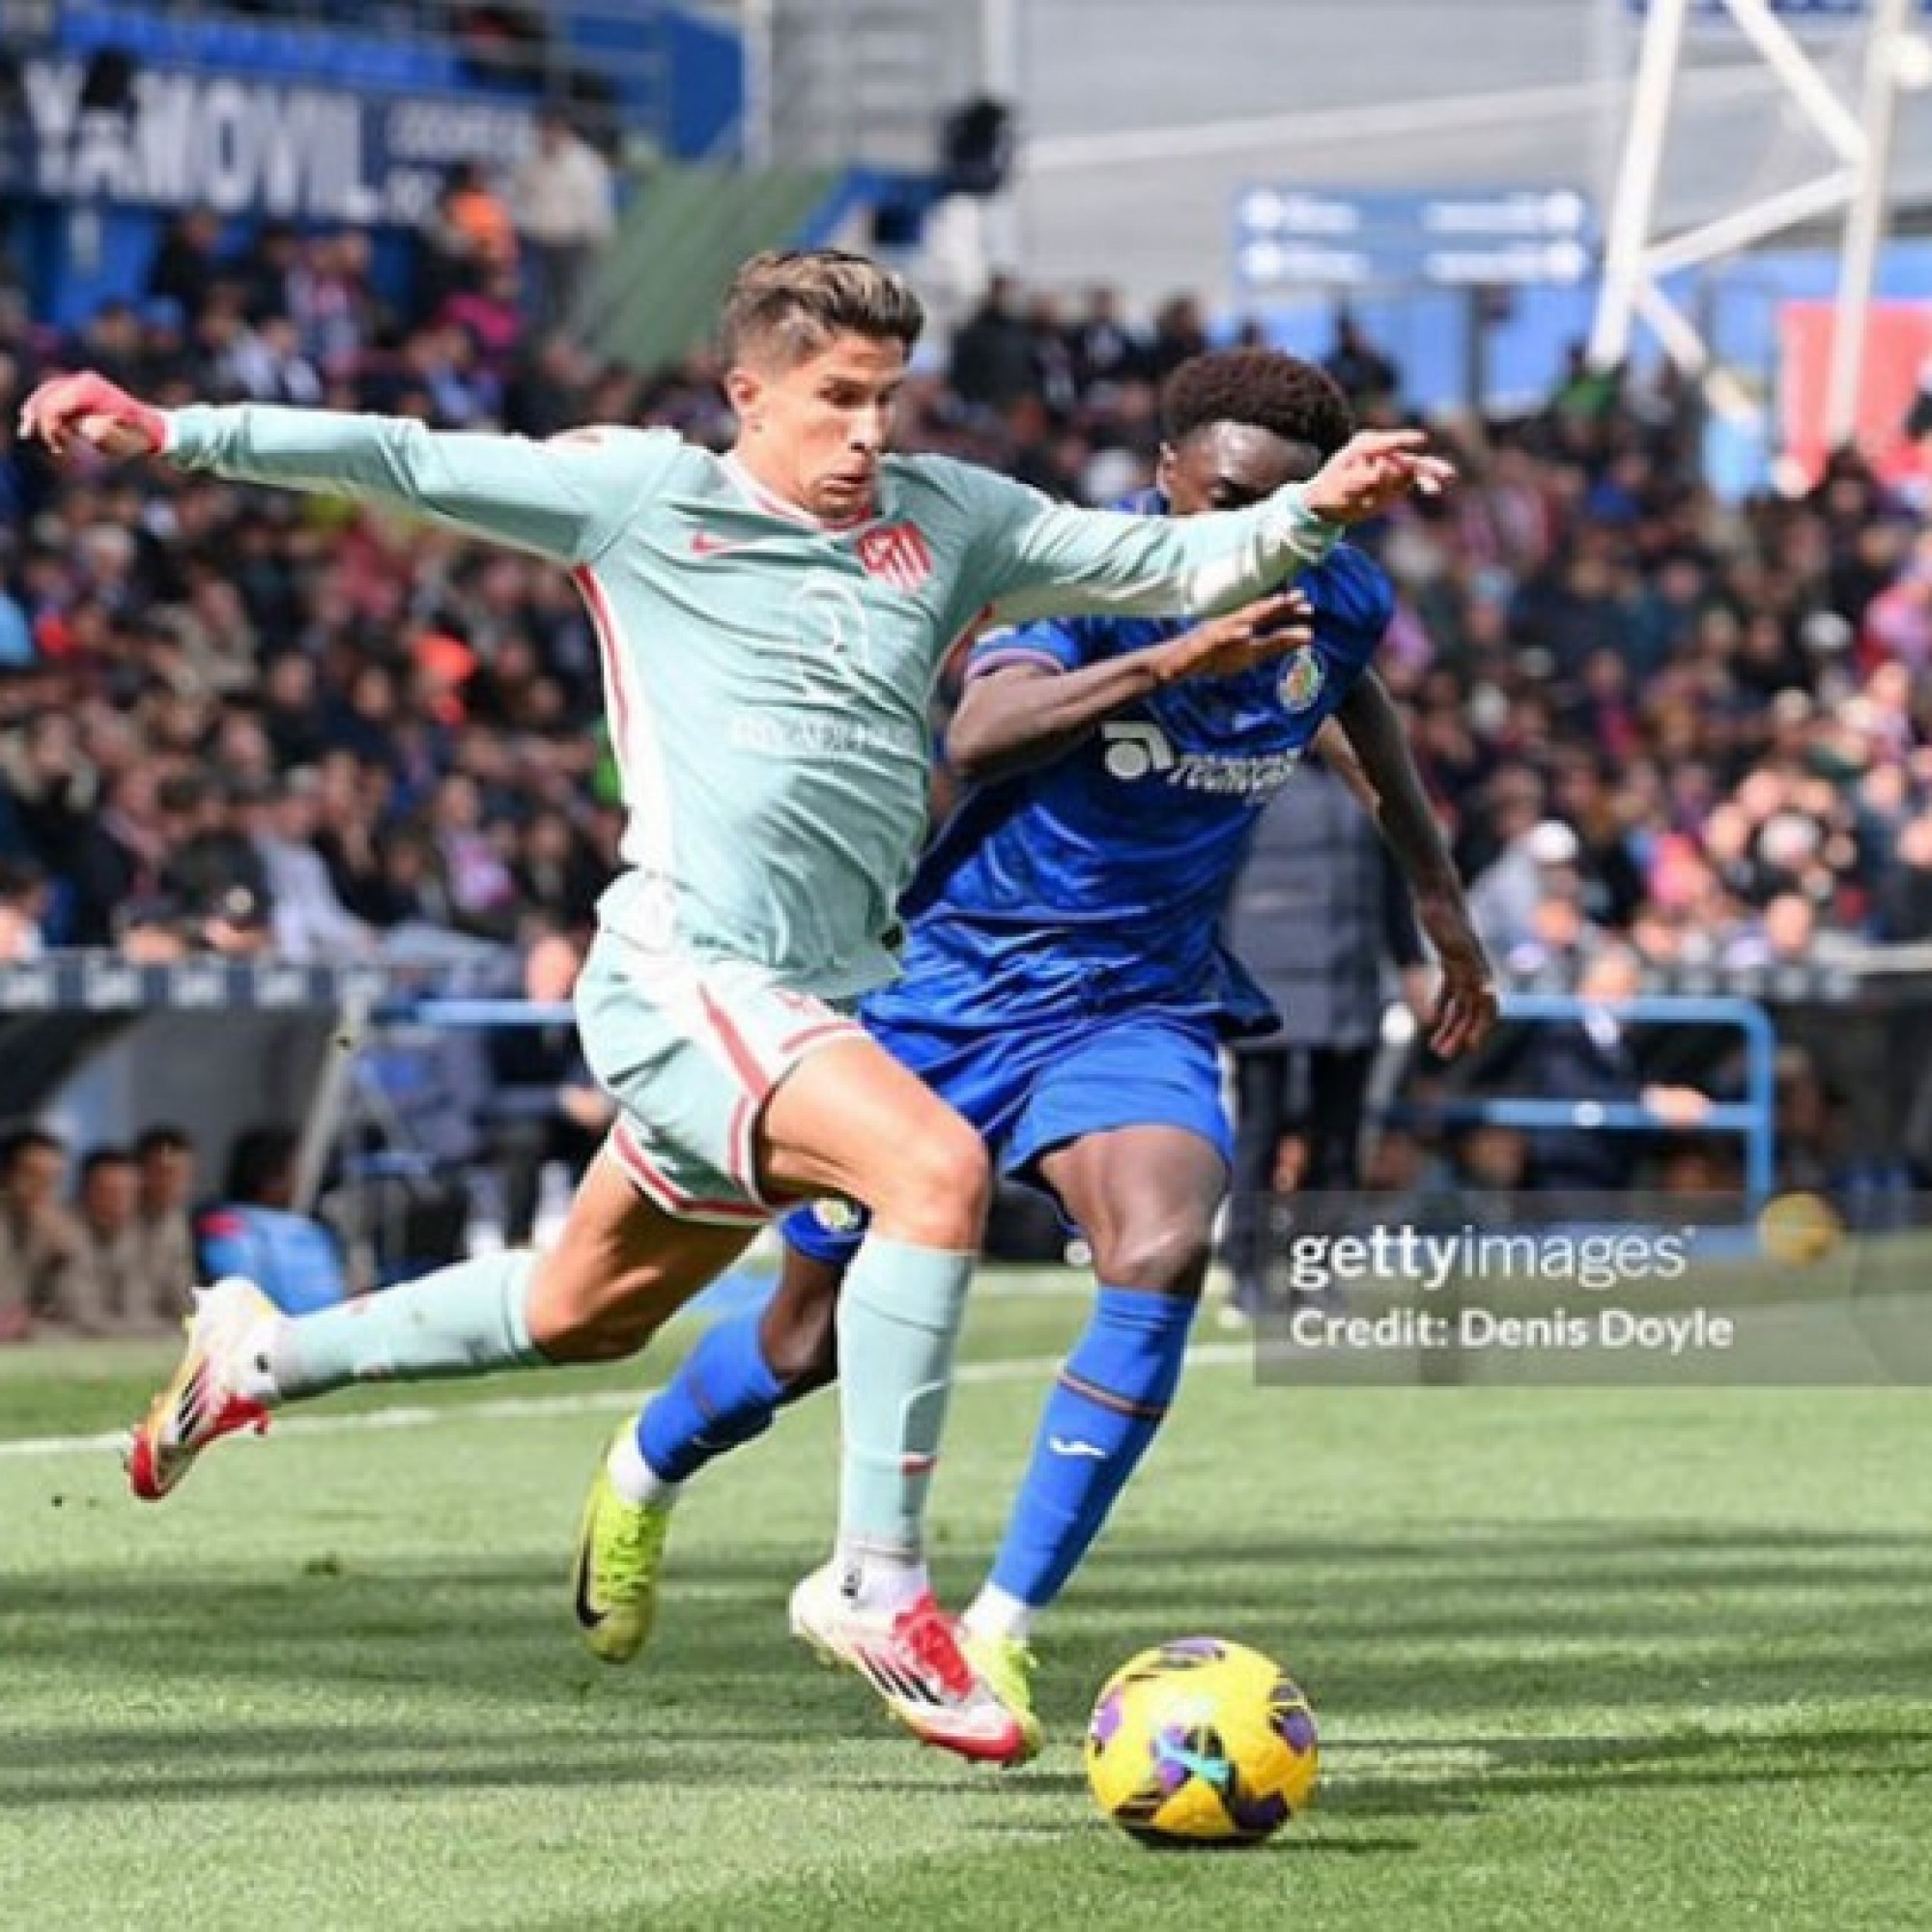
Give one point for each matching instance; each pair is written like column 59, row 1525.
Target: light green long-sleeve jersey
column 767, row 675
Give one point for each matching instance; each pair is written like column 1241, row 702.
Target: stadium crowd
column 232, row 720
column 1663, row 728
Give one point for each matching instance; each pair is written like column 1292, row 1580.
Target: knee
column 1166, row 1253
column 936, row 1189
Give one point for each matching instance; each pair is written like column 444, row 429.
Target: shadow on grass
column 466, row 1672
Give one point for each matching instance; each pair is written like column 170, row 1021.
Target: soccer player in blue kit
column 1064, row 989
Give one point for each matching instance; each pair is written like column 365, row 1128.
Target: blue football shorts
column 1030, row 1090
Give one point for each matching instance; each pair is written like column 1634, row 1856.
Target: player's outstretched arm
column 1054, row 559
column 563, row 498
column 1023, row 711
column 1391, row 787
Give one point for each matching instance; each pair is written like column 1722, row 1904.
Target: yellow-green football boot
column 619, row 1556
column 1007, row 1665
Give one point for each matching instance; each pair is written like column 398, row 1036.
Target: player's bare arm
column 1367, row 736
column 1024, row 713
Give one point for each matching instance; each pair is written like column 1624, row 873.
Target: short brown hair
column 789, row 303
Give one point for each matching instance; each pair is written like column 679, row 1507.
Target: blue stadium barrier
column 1753, row 1119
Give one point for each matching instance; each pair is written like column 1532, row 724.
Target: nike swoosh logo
column 1061, row 1446
column 704, row 544
column 588, row 1615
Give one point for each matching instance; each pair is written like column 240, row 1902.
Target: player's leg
column 746, row 1367
column 852, row 1121
column 1145, row 1197
column 620, row 1267
column 724, row 1393
column 1136, row 1147
column 668, row 1203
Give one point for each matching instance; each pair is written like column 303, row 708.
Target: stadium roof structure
column 1137, row 139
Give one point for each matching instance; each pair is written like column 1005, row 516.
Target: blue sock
column 723, row 1393
column 1112, row 1395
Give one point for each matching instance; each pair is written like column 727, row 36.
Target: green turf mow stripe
column 515, row 1407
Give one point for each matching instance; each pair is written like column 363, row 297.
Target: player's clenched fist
column 1372, row 470
column 88, row 409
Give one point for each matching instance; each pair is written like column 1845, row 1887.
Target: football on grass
column 1201, row 1742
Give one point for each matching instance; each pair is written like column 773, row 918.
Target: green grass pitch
column 1583, row 1657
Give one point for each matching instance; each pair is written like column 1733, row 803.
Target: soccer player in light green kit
column 770, row 622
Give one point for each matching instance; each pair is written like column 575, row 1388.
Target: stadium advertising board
column 245, row 145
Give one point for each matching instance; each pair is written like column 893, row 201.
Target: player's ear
column 1163, row 469
column 743, row 388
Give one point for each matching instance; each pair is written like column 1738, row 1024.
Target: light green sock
column 899, row 1320
column 467, row 1319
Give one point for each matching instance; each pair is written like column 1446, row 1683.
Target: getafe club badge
column 1302, row 677
column 835, row 1216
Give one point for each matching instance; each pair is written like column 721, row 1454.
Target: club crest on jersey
column 896, row 552
column 1302, row 677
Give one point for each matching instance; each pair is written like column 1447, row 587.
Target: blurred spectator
column 309, row 922
column 468, row 236
column 992, row 363
column 120, row 1293
column 186, row 267
column 1180, row 331
column 565, row 210
column 165, row 1155
column 1106, row 348
column 23, row 893
column 546, row 1106
column 1591, row 1060
column 254, row 1231
column 236, row 922
column 1367, row 375
column 1317, row 910
column 1536, row 863
column 42, row 1252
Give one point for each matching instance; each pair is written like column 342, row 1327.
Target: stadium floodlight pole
column 1885, row 76
column 1779, row 49
column 1634, row 201
column 1634, row 262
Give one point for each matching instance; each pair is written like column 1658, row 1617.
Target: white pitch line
column 518, row 1407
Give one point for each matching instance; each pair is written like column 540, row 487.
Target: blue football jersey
column 1097, row 882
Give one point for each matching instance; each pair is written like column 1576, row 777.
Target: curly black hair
column 1263, row 387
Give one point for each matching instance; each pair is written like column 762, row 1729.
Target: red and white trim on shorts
column 835, row 1026
column 759, row 1077
column 662, row 1192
